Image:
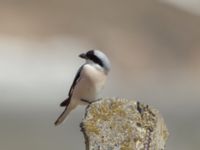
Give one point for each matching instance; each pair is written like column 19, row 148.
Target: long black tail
column 62, row 117
column 68, row 108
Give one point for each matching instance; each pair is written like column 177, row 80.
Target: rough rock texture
column 120, row 124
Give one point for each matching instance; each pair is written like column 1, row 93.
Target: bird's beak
column 83, row 55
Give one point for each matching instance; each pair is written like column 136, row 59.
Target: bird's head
column 97, row 57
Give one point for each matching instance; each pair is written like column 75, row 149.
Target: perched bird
column 88, row 82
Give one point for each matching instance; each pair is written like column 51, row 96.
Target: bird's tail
column 64, row 114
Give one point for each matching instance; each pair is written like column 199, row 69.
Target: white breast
column 90, row 84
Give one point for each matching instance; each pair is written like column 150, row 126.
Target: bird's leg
column 86, row 101
column 89, row 102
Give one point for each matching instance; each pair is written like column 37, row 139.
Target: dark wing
column 65, row 103
column 76, row 79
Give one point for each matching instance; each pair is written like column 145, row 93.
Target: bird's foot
column 98, row 99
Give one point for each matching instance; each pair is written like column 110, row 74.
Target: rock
column 121, row 124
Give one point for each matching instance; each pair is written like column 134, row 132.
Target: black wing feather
column 76, row 79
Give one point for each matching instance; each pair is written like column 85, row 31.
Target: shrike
column 88, row 82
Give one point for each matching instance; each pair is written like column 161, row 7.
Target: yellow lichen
column 117, row 123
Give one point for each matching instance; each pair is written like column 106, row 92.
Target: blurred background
column 154, row 47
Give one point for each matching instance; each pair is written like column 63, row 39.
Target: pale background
column 154, row 47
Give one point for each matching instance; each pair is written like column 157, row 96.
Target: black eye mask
column 94, row 58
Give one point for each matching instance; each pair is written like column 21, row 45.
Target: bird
column 88, row 82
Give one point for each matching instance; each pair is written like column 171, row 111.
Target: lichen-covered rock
column 120, row 124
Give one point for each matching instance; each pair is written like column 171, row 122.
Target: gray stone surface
column 120, row 124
